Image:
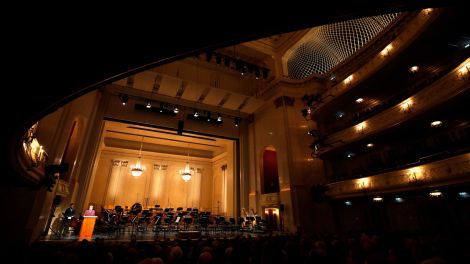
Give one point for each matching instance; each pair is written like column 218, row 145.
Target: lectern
column 88, row 225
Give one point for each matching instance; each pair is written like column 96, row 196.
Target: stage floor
column 150, row 235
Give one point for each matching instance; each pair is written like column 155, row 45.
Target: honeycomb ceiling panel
column 328, row 45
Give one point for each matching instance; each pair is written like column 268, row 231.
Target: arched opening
column 269, row 172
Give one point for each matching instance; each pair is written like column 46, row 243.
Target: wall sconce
column 406, row 105
column 427, row 11
column 377, row 199
column 363, row 184
column 415, row 175
column 435, row 193
column 463, row 72
column 360, row 127
column 386, row 51
column 32, row 148
column 348, row 80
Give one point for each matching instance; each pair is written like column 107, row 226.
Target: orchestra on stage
column 158, row 219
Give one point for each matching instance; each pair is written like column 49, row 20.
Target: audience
column 271, row 248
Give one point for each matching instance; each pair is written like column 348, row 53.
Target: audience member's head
column 205, row 257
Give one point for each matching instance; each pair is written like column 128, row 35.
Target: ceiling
column 82, row 59
column 128, row 138
column 207, row 79
column 324, row 47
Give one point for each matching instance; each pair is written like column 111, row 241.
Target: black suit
column 69, row 212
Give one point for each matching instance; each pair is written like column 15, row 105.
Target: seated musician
column 90, row 211
column 68, row 215
column 70, row 212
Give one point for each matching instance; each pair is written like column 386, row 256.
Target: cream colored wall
column 223, row 191
column 305, row 172
column 270, row 129
column 127, row 190
column 53, row 135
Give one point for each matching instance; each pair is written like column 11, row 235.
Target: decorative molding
column 452, row 170
column 63, row 188
column 270, row 199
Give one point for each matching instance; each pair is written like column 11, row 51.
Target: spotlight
column 196, row 113
column 398, row 199
column 348, row 203
column 464, row 195
column 149, row 104
column 176, row 109
column 313, row 132
column 236, row 121
column 257, row 73
column 244, row 69
column 208, row 117
column 124, row 99
column 219, row 118
column 161, row 107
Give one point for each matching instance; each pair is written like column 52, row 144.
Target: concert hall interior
column 354, row 122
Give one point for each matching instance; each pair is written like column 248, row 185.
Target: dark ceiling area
column 53, row 57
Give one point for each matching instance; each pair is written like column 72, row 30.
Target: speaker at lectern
column 88, row 225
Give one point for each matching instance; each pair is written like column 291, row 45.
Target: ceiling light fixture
column 236, row 121
column 124, row 99
column 359, row 100
column 436, row 123
column 414, row 69
column 186, row 173
column 138, row 169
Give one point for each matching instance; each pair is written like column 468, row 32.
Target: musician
column 69, row 214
